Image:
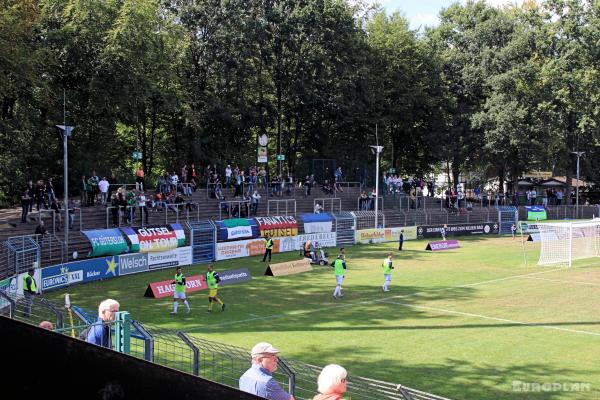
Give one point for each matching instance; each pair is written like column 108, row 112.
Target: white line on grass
column 510, row 321
column 563, row 281
column 350, row 304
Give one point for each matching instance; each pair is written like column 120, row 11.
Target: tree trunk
column 501, row 179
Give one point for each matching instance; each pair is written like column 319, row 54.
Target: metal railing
column 234, row 208
column 290, row 204
column 328, row 204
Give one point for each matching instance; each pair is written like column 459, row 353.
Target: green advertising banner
column 106, row 242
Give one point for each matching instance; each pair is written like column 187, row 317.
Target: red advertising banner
column 162, row 289
column 277, row 226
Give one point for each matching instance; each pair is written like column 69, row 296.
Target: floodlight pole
column 66, row 132
column 578, row 154
column 377, row 150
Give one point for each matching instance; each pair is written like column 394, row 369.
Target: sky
column 424, row 12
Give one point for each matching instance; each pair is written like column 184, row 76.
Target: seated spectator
column 258, row 379
column 327, row 188
column 159, row 202
column 41, row 229
column 318, row 208
column 331, row 383
column 173, row 180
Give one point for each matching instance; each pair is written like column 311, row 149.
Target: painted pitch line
column 563, row 281
column 510, row 321
column 354, row 303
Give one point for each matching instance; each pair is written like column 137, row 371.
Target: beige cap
column 263, row 348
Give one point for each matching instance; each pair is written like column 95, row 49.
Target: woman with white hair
column 332, row 383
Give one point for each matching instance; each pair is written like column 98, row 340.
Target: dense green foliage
column 500, row 91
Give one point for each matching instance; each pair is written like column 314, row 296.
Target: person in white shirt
column 174, row 181
column 103, row 187
column 142, row 205
column 228, row 176
column 255, row 200
column 318, row 208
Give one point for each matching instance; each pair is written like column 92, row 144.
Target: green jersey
column 387, row 266
column 212, row 280
column 179, row 283
column 339, row 267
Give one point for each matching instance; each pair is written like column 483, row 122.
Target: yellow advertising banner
column 385, row 235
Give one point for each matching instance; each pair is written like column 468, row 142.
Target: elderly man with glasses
column 258, row 379
column 99, row 333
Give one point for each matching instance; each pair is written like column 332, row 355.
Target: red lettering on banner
column 165, row 288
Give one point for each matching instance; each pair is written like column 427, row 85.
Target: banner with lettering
column 315, row 223
column 277, row 226
column 155, row 238
column 236, row 229
column 106, row 242
column 253, row 247
column 93, row 269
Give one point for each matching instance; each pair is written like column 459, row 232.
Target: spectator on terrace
column 31, row 194
column 112, row 184
column 174, row 181
column 262, row 177
column 50, row 190
column 363, row 201
column 331, row 383
column 254, row 202
column 338, row 178
column 91, row 190
column 327, row 187
column 114, row 203
column 100, row 332
column 41, row 228
column 318, row 208
column 24, row 204
column 122, row 199
column 228, row 176
column 131, row 205
column 258, row 379
column 56, row 207
column 143, row 207
column 103, row 185
column 40, row 195
column 96, row 181
column 159, row 202
column 139, row 178
column 289, row 184
column 193, row 176
column 184, row 174
column 273, row 185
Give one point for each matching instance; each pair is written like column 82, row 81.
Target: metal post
column 578, row 154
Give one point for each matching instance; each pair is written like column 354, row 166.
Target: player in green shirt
column 179, row 292
column 339, row 269
column 387, row 272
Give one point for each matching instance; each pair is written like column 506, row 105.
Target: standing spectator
column 31, row 194
column 83, row 189
column 192, row 174
column 184, row 174
column 255, row 200
column 96, row 179
column 545, row 198
column 338, row 178
column 103, row 185
column 262, row 177
column 273, row 185
column 290, row 184
column 40, row 195
column 50, row 190
column 401, row 239
column 212, row 280
column 387, row 272
column 559, row 197
column 71, row 213
column 100, row 332
column 29, row 291
column 56, row 207
column 164, row 183
column 114, row 203
column 131, row 206
column 25, row 203
column 91, row 190
column 143, row 208
column 174, row 180
column 258, row 379
column 139, row 178
column 228, row 176
column 533, row 196
column 268, row 248
column 238, row 181
column 306, row 187
column 331, row 383
column 112, row 184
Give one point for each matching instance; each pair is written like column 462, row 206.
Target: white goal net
column 564, row 242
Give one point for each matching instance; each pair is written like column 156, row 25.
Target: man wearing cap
column 258, row 379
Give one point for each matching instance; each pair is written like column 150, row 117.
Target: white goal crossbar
column 564, row 242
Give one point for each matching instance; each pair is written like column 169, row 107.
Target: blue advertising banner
column 106, row 242
column 234, row 276
column 90, row 270
column 317, row 223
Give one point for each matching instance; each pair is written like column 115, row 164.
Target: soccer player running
column 339, row 268
column 179, row 293
column 387, row 272
column 212, row 280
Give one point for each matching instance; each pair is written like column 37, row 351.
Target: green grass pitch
column 469, row 323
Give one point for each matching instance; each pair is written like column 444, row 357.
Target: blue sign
column 234, row 276
column 89, row 270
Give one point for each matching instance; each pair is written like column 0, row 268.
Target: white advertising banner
column 172, row 258
column 254, row 247
column 239, row 232
column 325, row 239
column 385, row 235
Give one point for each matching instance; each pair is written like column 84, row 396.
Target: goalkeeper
column 387, row 272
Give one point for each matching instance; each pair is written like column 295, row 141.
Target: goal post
column 564, row 242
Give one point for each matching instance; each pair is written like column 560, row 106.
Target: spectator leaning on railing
column 100, row 332
column 258, row 379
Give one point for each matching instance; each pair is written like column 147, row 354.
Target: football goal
column 564, row 242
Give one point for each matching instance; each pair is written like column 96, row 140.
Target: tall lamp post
column 377, row 150
column 578, row 154
column 66, row 131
